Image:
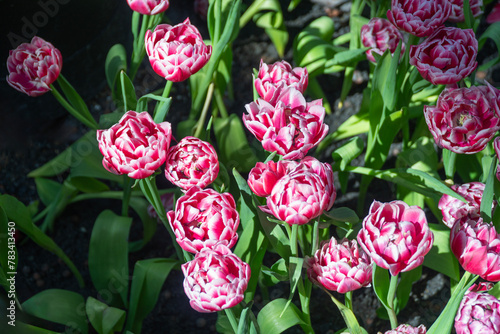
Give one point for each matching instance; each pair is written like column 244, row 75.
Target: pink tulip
column 176, row 52
column 135, row 146
column 457, row 9
column 447, row 56
column 464, row 119
column 454, row 209
column 494, row 15
column 203, row 218
column 340, row 267
column 380, row 35
column 407, row 329
column 476, row 244
column 264, row 176
column 272, row 79
column 396, row 236
column 478, row 313
column 33, row 67
column 325, row 172
column 419, row 17
column 148, row 7
column 215, row 280
column 496, row 146
column 192, row 162
column 291, row 127
column 298, row 197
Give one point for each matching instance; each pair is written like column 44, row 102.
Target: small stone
column 37, row 276
column 167, row 294
column 201, row 322
column 40, row 283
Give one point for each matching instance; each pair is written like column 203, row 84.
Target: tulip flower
column 478, row 313
column 135, row 146
column 447, row 56
column 192, row 162
column 476, row 245
column 298, row 197
column 203, row 218
column 454, row 209
column 457, row 9
column 494, row 15
column 176, row 52
column 419, row 17
column 264, row 176
column 291, row 127
column 380, row 35
column 148, row 7
column 340, row 267
column 215, row 280
column 33, row 67
column 464, row 119
column 272, row 79
column 396, row 236
column 325, row 172
column 407, row 329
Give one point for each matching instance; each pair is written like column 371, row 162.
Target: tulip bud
column 148, row 7
column 407, row 329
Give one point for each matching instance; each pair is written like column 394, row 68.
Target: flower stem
column 349, row 318
column 348, row 300
column 232, row 319
column 91, row 124
column 203, row 116
column 390, row 301
column 139, row 51
column 127, row 190
column 165, row 94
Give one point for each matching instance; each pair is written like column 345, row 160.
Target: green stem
column 139, row 51
column 204, row 112
column 315, row 237
column 165, row 94
column 220, row 104
column 232, row 319
column 348, row 300
column 71, row 110
column 250, row 12
column 349, row 318
column 390, row 301
column 449, row 159
column 127, row 190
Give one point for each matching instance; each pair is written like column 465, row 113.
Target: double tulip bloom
column 148, row 7
column 291, row 127
column 272, row 79
column 215, row 280
column 340, row 267
column 176, row 52
column 380, row 35
column 295, row 192
column 476, row 245
column 464, row 119
column 407, row 329
column 457, row 9
column 192, row 162
column 33, row 67
column 479, row 312
column 203, row 218
column 447, row 56
column 135, row 146
column 396, row 236
column 419, row 17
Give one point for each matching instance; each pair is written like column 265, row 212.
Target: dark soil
column 36, row 130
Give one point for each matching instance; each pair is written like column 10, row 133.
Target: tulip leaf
column 347, row 57
column 440, row 258
column 116, row 61
column 23, row 328
column 295, row 272
column 75, row 99
column 140, row 206
column 88, row 184
column 47, row 189
column 270, row 17
column 20, row 214
column 104, row 319
column 234, row 150
column 129, row 98
column 274, row 232
column 108, row 257
column 493, row 32
column 149, row 276
column 277, row 273
column 381, row 284
column 272, row 321
column 348, row 152
column 487, row 198
column 343, row 214
column 58, row 306
column 65, row 194
column 293, row 4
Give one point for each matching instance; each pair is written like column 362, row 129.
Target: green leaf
column 104, row 319
column 140, row 206
column 128, row 92
column 59, row 306
column 88, row 184
column 20, row 214
column 270, row 17
column 47, row 189
column 116, row 61
column 381, row 284
column 234, row 150
column 148, row 279
column 440, row 258
column 343, row 214
column 405, row 286
column 347, row 57
column 277, row 273
column 493, row 32
column 271, row 321
column 22, row 328
column 75, row 99
column 161, row 113
column 295, row 272
column 274, row 233
column 487, row 199
column 65, row 194
column 108, row 257
column 348, row 152
column 293, row 4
